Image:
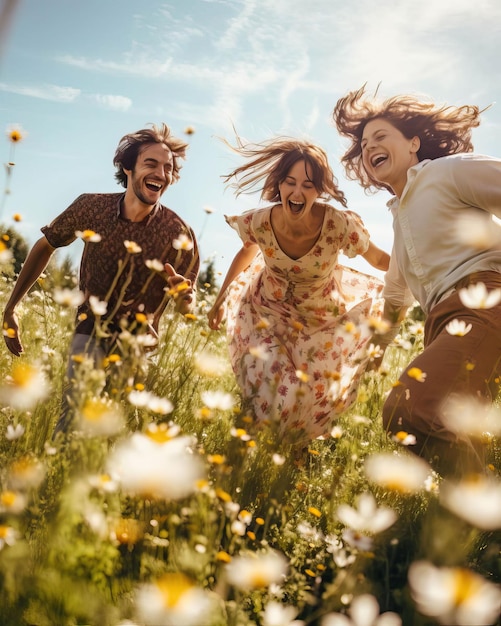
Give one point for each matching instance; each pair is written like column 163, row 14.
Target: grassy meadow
column 164, row 506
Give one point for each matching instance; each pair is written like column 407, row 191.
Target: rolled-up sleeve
column 395, row 290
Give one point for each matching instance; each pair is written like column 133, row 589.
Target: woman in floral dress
column 298, row 322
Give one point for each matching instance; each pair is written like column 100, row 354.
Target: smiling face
column 152, row 173
column 298, row 193
column 387, row 154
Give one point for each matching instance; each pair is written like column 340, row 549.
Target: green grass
column 81, row 552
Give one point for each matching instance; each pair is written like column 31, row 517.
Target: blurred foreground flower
column 276, row 614
column 477, row 231
column 476, row 500
column 367, row 517
column 459, row 328
column 8, row 536
column 25, row 386
column 218, row 400
column 210, row 365
column 256, row 570
column 173, row 600
column 15, row 133
column 477, row 297
column 404, row 474
column 454, row 595
column 155, row 469
column 68, row 297
column 468, row 415
column 364, row 611
column 100, row 417
column 26, row 472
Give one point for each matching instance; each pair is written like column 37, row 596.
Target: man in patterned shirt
column 137, row 255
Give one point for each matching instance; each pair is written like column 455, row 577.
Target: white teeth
column 377, row 159
column 153, row 184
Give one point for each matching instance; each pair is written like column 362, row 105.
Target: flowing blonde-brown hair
column 271, row 160
column 442, row 130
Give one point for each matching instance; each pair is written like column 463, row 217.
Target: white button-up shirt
column 433, row 245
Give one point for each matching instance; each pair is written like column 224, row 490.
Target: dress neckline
column 320, row 232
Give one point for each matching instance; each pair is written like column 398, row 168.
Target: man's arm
column 34, row 265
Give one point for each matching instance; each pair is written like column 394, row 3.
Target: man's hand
column 180, row 289
column 11, row 333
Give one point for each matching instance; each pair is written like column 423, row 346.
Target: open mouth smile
column 378, row 159
column 296, row 207
column 153, row 185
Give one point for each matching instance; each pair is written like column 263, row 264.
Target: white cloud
column 116, row 103
column 54, row 93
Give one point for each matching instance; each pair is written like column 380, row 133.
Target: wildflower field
column 164, row 506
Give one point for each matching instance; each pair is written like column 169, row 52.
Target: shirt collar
column 412, row 172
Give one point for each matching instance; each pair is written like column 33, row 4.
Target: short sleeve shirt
column 114, row 269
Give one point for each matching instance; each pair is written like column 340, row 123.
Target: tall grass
column 80, row 547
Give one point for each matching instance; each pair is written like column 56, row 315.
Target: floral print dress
column 297, row 328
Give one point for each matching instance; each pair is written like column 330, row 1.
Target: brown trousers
column 452, row 364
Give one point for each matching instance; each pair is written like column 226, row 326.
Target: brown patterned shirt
column 112, row 273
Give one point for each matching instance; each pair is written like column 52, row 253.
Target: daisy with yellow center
column 89, row 236
column 416, row 374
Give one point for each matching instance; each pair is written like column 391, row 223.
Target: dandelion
column 458, row 328
column 100, row 417
column 454, row 595
column 367, row 517
column 189, row 130
column 98, row 307
column 132, row 247
column 183, row 242
column 146, row 468
column 14, row 432
column 218, row 400
column 416, row 374
column 17, row 217
column 172, row 600
column 68, row 297
column 364, row 611
column 476, row 500
column 256, row 570
column 477, row 297
column 208, row 209
column 89, row 236
column 25, row 386
column 404, row 474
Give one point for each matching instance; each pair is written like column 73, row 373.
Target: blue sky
column 79, row 75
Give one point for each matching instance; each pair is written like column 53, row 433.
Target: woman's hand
column 216, row 316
